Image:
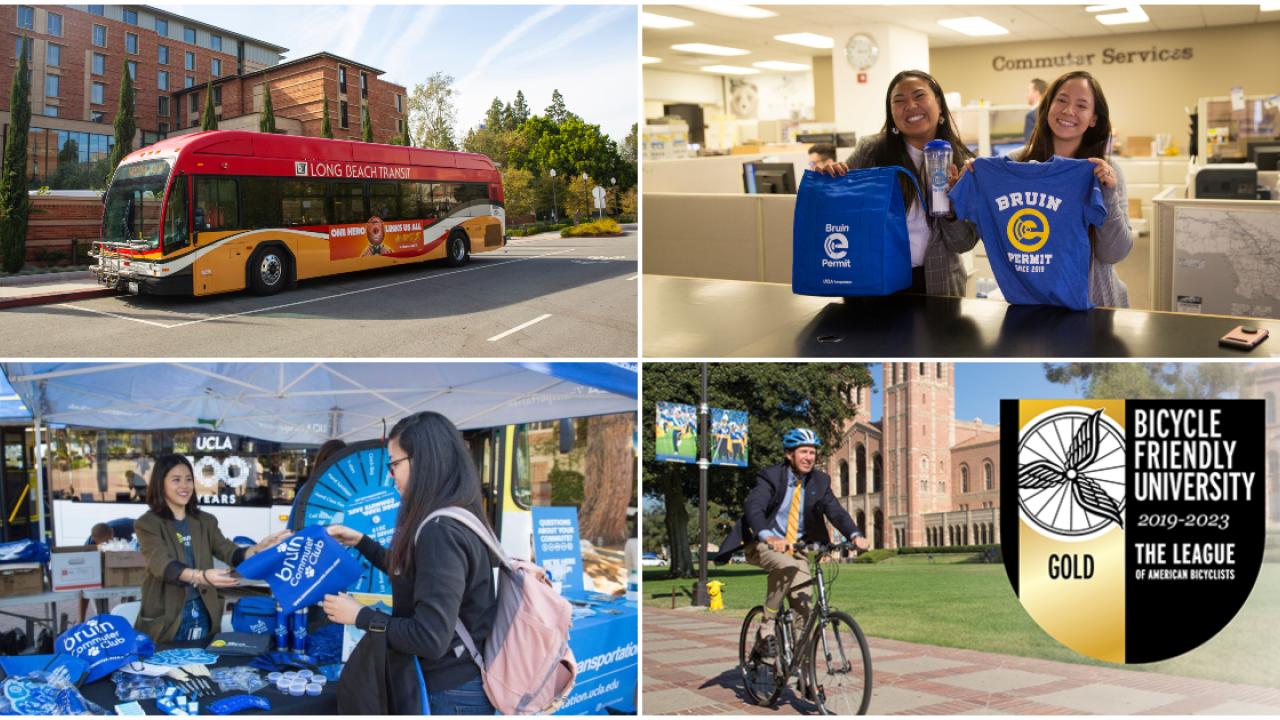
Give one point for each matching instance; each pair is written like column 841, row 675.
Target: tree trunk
column 677, row 528
column 610, row 469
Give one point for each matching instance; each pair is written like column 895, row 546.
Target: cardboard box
column 18, row 579
column 75, row 568
column 123, row 569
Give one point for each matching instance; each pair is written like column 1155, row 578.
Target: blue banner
column 605, row 647
column 304, row 568
column 676, row 433
column 556, row 546
column 728, row 439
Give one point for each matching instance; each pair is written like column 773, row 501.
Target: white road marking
column 633, row 277
column 321, row 299
column 519, row 327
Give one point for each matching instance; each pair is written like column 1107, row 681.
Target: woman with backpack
column 915, row 113
column 440, row 575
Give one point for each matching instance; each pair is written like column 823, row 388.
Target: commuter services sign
column 1112, row 509
column 1108, row 56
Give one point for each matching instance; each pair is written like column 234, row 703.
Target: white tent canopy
column 308, row 403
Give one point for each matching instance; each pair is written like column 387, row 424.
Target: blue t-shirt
column 1034, row 220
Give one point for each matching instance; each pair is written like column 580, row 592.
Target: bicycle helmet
column 795, row 437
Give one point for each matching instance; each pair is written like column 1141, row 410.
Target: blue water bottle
column 937, row 160
column 300, row 631
column 282, row 629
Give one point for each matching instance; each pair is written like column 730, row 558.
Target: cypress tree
column 208, row 120
column 326, row 130
column 267, row 121
column 15, row 204
column 366, row 131
column 124, row 124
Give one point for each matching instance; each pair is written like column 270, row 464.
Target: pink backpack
column 526, row 665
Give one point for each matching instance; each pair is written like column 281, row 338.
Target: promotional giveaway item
column 255, row 615
column 20, row 551
column 304, row 568
column 42, row 694
column 105, row 642
column 239, row 644
column 1034, row 219
column 937, row 160
column 849, row 235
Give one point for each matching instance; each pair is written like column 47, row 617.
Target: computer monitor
column 815, row 138
column 846, row 139
column 761, row 178
column 1268, row 158
column 1253, row 146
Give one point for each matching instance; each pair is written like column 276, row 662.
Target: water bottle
column 937, row 160
column 282, row 629
column 300, row 631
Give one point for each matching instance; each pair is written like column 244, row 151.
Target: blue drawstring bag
column 255, row 615
column 24, row 551
column 850, row 234
column 105, row 642
column 304, row 568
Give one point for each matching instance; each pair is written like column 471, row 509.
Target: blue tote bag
column 304, row 568
column 849, row 235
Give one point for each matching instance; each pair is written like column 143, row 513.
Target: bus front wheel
column 459, row 249
column 268, row 271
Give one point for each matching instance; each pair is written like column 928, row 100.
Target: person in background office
column 1074, row 122
column 915, row 112
column 102, row 532
column 1035, row 91
column 821, row 154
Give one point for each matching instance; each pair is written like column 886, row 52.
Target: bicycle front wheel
column 840, row 667
column 760, row 677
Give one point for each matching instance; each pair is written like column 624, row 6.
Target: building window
column 99, row 64
column 988, row 476
column 215, row 42
column 162, row 54
column 399, row 103
column 195, row 102
column 26, row 17
column 217, row 96
column 21, row 48
column 964, row 478
column 133, row 70
column 51, row 83
column 163, row 128
column 189, row 34
column 97, row 116
column 131, row 16
column 162, row 106
column 162, row 80
column 131, row 43
column 188, row 81
column 99, row 10
column 53, row 55
column 99, row 93
column 342, row 80
column 215, row 65
column 342, row 114
column 364, row 86
column 188, row 61
column 162, row 27
column 51, row 111
column 100, row 35
column 53, row 24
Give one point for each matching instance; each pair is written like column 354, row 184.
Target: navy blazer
column 766, row 497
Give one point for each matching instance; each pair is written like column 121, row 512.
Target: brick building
column 78, row 54
column 918, row 476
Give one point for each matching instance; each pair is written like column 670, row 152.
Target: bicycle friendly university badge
column 1114, row 511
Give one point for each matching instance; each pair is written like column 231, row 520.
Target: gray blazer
column 944, row 274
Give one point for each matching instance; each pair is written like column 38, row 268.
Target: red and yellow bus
column 221, row 211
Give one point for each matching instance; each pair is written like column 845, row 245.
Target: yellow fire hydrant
column 717, row 599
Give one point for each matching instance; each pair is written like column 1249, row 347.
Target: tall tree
column 267, row 118
column 776, row 397
column 1148, row 380
column 609, row 468
column 15, row 204
column 208, row 120
column 556, row 111
column 326, row 129
column 366, row 124
column 432, row 115
column 493, row 116
column 519, row 110
column 125, row 125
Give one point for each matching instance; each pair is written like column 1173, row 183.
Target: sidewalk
column 47, row 288
column 691, row 668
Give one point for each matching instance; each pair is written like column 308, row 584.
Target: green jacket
column 163, row 594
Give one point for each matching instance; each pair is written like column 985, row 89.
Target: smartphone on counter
column 1243, row 337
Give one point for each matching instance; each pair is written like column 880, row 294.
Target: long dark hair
column 155, row 487
column 891, row 147
column 441, row 474
column 1094, row 142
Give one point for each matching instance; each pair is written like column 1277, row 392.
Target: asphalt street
column 542, row 296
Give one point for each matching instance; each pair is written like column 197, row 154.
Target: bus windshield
column 132, row 212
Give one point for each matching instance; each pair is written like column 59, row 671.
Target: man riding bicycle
column 790, row 504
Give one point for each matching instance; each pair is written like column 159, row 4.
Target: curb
column 56, row 297
column 45, row 278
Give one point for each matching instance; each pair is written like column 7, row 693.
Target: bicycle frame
column 817, row 616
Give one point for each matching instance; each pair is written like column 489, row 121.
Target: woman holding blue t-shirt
column 915, row 112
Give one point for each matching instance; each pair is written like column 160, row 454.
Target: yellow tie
column 793, row 516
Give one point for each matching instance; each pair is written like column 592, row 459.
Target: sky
column 981, row 386
column 587, row 52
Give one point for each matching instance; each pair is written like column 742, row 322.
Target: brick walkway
column 691, row 668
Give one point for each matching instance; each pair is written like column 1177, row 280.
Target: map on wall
column 1226, row 261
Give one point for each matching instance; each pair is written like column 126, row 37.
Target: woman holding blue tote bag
column 915, row 112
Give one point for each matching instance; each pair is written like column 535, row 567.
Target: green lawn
column 954, row 602
column 688, row 445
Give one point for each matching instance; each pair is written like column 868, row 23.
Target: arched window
column 877, row 473
column 922, row 373
column 964, row 478
column 843, row 488
column 939, row 371
column 988, row 476
column 860, row 469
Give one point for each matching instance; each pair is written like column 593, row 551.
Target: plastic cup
column 314, row 688
column 305, row 674
column 272, row 677
column 937, row 159
column 297, row 690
